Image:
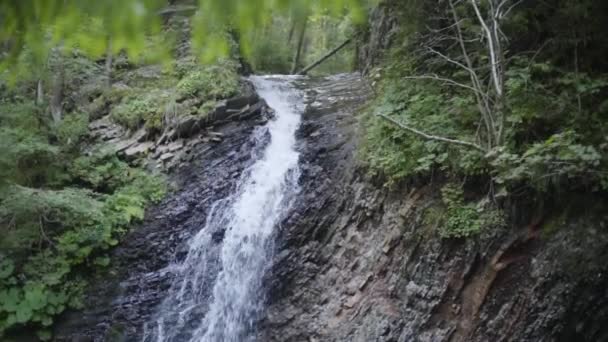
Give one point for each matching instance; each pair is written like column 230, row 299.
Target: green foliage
column 271, row 50
column 206, row 108
column 72, row 129
column 145, row 108
column 27, row 157
column 461, row 219
column 325, row 32
column 101, row 171
column 51, row 232
column 274, row 45
column 397, row 154
column 126, row 25
column 60, row 212
column 554, row 107
column 209, row 83
column 548, row 164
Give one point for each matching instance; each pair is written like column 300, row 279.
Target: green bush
column 548, row 146
column 142, row 109
column 72, row 129
column 51, row 232
column 209, row 83
column 60, row 212
column 460, row 219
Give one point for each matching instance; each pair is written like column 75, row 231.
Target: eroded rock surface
column 358, row 263
column 120, row 301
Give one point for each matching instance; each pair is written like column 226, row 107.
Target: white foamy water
column 224, row 308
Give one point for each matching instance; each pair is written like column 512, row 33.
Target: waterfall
column 217, row 292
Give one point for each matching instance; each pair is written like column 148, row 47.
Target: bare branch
column 450, row 60
column 446, row 80
column 506, row 13
column 482, row 102
column 432, row 137
column 491, row 48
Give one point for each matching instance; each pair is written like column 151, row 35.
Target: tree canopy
column 99, row 27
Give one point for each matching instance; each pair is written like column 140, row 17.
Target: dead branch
column 432, row 137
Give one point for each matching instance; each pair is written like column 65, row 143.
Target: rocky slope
column 358, row 262
column 204, row 167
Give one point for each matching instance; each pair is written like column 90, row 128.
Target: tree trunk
column 57, row 94
column 39, row 93
column 297, row 56
column 324, row 58
column 109, row 64
column 292, row 28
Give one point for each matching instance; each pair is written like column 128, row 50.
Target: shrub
column 146, row 108
column 72, row 129
column 209, row 83
column 79, row 225
column 461, row 219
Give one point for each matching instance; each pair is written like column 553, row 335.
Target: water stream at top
column 224, row 307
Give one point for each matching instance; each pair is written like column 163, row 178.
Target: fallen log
column 324, row 58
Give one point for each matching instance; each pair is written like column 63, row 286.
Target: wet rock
column 175, row 146
column 218, row 236
column 357, row 262
column 129, row 293
column 105, row 130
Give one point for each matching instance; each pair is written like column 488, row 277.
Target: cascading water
column 217, row 293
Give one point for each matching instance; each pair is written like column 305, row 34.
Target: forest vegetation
column 504, row 97
column 67, row 199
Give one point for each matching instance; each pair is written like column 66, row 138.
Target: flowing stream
column 217, row 293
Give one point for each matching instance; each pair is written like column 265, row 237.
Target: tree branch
column 431, row 137
column 446, row 80
column 491, row 42
column 482, row 101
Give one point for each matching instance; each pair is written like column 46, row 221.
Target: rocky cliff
column 357, row 261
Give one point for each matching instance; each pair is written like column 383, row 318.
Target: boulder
column 253, row 110
column 187, row 126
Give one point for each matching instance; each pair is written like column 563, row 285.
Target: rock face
column 186, row 131
column 356, row 261
column 380, row 35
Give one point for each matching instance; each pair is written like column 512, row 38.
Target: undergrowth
column 60, row 213
column 553, row 136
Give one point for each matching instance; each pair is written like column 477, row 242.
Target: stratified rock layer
column 355, row 261
column 358, row 263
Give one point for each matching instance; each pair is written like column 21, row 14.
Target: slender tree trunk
column 298, row 54
column 57, row 93
column 108, row 70
column 324, row 58
column 39, row 93
column 292, row 28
